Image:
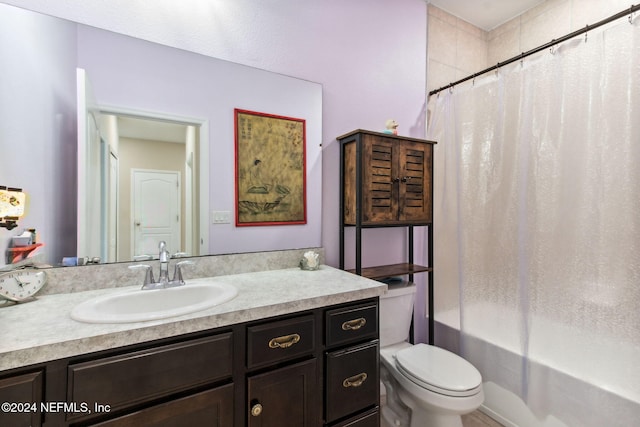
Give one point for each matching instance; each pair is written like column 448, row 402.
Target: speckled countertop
column 43, row 330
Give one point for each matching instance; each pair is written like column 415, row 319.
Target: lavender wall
column 38, row 126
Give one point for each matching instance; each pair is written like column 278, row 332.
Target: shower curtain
column 537, row 222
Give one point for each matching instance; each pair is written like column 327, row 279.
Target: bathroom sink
column 143, row 305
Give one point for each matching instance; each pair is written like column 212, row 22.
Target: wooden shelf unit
column 387, row 181
column 384, row 271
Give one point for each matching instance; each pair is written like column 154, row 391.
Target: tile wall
column 458, row 49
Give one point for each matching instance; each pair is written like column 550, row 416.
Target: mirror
column 130, row 77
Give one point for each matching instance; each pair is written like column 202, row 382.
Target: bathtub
column 577, row 379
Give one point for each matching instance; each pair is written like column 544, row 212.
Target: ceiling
column 485, row 14
column 154, row 130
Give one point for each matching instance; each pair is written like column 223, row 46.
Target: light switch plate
column 221, row 217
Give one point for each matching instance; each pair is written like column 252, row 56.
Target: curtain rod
column 552, row 43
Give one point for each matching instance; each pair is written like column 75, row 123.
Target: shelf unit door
column 368, row 176
column 379, row 181
column 414, row 176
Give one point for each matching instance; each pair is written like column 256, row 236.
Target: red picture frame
column 270, row 169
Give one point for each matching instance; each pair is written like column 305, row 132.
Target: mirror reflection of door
column 144, row 143
column 156, row 207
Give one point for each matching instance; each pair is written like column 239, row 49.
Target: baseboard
column 499, row 418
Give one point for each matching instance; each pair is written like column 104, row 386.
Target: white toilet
column 436, row 385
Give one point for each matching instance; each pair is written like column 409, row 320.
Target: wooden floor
column 478, row 419
column 474, row 419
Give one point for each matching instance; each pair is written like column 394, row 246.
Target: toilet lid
column 439, row 370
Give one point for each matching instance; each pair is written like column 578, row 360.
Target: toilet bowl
column 436, row 385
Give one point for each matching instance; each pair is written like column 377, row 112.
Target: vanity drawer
column 212, row 408
column 352, row 377
column 368, row 419
column 124, row 380
column 20, row 389
column 351, row 324
column 278, row 341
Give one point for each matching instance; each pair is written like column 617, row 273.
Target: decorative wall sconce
column 12, row 202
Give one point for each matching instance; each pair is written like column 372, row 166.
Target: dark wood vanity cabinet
column 327, row 368
column 128, row 379
column 352, row 384
column 308, row 369
column 283, row 373
column 286, row 396
column 188, row 382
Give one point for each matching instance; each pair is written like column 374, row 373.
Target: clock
column 21, row 285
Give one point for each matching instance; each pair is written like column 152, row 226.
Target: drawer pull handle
column 284, row 341
column 256, row 410
column 355, row 381
column 354, row 325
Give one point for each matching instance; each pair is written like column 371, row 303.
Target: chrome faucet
column 164, row 263
column 163, row 280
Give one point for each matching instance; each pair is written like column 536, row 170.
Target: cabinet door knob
column 285, row 341
column 256, row 410
column 354, row 381
column 354, row 325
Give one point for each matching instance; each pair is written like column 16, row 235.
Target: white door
column 90, row 209
column 155, row 202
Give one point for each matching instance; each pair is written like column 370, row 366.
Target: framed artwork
column 270, row 169
column 12, row 206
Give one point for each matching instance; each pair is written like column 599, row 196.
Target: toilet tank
column 396, row 312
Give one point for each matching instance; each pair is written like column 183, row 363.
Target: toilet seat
column 439, row 370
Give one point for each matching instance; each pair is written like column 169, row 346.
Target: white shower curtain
column 537, row 224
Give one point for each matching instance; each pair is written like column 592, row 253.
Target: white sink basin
column 143, row 305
